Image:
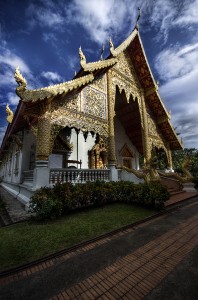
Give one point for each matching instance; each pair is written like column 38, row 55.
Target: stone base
column 113, row 173
column 20, row 192
column 189, row 187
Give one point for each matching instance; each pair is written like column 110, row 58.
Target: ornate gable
column 126, row 151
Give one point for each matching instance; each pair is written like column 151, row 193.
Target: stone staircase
column 175, row 190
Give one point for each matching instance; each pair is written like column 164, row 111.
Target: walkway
column 133, row 264
column 15, row 210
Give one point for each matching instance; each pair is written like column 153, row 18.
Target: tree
column 179, row 156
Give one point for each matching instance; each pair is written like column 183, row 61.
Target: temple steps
column 176, row 192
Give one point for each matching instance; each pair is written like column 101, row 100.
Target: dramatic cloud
column 52, row 76
column 177, row 61
column 9, row 61
column 101, row 18
column 44, row 16
column 189, row 14
column 178, row 67
column 13, row 99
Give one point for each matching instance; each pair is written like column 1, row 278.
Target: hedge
column 48, row 203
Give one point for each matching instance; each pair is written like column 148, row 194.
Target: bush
column 195, row 181
column 62, row 198
column 45, row 205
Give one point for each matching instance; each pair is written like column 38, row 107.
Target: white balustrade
column 77, row 175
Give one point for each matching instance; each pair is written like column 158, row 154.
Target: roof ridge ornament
column 138, row 17
column 82, row 57
column 19, row 78
column 9, row 113
column 111, row 45
column 102, row 51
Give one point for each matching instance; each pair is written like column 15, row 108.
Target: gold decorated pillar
column 145, row 135
column 169, row 158
column 43, row 140
column 111, row 113
column 43, row 150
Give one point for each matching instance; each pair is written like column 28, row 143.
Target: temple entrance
column 128, row 131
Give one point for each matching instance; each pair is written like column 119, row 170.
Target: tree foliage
column 179, row 156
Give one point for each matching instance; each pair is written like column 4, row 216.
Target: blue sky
column 42, row 37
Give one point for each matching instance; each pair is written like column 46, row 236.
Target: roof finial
column 138, row 17
column 82, row 57
column 102, row 51
column 19, row 78
column 10, row 114
column 111, row 43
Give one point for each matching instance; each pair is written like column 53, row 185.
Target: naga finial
column 10, row 114
column 19, row 78
column 102, row 51
column 82, row 57
column 111, row 43
column 138, row 17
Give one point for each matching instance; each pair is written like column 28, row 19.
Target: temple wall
column 28, row 151
column 122, row 139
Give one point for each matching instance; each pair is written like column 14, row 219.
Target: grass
column 25, row 242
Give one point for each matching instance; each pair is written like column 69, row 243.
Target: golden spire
column 102, row 51
column 19, row 78
column 82, row 57
column 138, row 17
column 10, row 114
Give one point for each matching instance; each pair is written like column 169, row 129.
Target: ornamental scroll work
column 84, row 122
column 124, row 65
column 129, row 87
column 94, row 102
column 70, row 102
column 156, row 139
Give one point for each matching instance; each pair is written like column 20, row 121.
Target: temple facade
column 93, row 127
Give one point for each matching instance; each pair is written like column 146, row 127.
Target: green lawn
column 28, row 241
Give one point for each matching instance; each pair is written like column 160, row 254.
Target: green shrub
column 195, row 181
column 62, row 198
column 45, row 205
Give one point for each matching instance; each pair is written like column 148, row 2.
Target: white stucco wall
column 83, row 147
column 122, row 139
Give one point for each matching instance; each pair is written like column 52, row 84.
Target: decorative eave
column 93, row 66
column 124, row 45
column 170, row 135
column 58, row 89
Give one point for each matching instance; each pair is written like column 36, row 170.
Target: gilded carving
column 129, row 87
column 94, row 102
column 10, row 114
column 64, row 117
column 43, row 139
column 99, row 83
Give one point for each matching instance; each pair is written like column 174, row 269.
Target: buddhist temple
column 93, row 127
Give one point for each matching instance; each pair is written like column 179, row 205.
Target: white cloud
column 13, row 99
column 8, row 62
column 45, row 16
column 177, row 62
column 101, row 18
column 52, row 76
column 189, row 14
column 178, row 66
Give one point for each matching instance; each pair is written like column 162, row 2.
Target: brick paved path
column 127, row 266
column 135, row 275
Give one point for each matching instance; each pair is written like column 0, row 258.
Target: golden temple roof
column 57, row 89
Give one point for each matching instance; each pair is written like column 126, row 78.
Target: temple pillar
column 145, row 136
column 169, row 159
column 111, row 137
column 43, row 150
